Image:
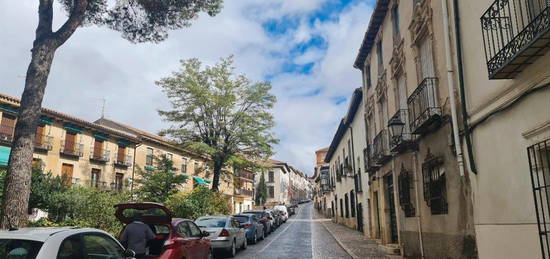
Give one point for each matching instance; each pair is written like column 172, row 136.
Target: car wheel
column 210, row 254
column 233, row 249
column 255, row 240
column 245, row 244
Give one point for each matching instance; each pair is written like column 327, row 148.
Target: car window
column 195, row 231
column 70, row 248
column 241, row 219
column 183, row 228
column 16, row 248
column 211, row 222
column 99, row 246
column 161, row 229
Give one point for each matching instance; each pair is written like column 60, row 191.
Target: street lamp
column 396, row 126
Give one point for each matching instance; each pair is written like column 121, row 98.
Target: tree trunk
column 18, row 179
column 218, row 164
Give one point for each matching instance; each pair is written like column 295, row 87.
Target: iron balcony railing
column 70, row 148
column 381, row 147
column 371, row 165
column 6, row 133
column 424, row 109
column 400, row 141
column 515, row 32
column 244, row 192
column 43, row 142
column 102, row 155
column 124, row 161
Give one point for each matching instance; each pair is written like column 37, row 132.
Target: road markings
column 268, row 244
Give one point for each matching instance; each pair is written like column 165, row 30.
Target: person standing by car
column 135, row 237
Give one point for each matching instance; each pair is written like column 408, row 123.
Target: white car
column 60, row 243
column 283, row 209
column 225, row 233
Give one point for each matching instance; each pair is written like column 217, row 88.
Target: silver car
column 226, row 233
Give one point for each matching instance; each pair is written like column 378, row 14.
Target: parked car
column 291, row 210
column 254, row 229
column 225, row 233
column 283, row 211
column 176, row 238
column 264, row 218
column 273, row 218
column 62, row 243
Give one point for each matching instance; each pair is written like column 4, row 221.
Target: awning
column 199, row 180
column 4, row 155
column 149, row 168
column 208, row 181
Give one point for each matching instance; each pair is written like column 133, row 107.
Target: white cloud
column 97, row 63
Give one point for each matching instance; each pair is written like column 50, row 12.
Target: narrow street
column 301, row 237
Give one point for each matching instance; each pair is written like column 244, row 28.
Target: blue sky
column 305, row 48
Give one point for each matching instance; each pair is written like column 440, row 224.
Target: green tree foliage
column 198, row 202
column 137, row 20
column 158, row 184
column 261, row 191
column 218, row 113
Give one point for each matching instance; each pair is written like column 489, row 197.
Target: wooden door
column 67, row 174
column 70, row 139
column 39, row 137
column 96, row 174
column 7, row 125
column 98, row 148
column 121, row 154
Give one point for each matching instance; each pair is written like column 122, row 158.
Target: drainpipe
column 450, row 85
column 416, row 188
column 355, row 192
column 134, row 168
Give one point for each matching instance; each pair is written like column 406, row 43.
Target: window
column 19, row 248
column 119, row 181
column 346, row 198
column 395, row 21
column 70, row 248
column 195, row 231
column 271, row 176
column 341, row 206
column 184, row 165
column 67, row 174
column 352, row 206
column 101, row 246
column 367, row 76
column 121, row 155
column 404, row 181
column 7, row 126
column 149, row 157
column 96, row 173
column 539, row 164
column 380, row 57
column 271, row 191
column 426, row 59
column 98, row 149
column 435, row 185
column 169, row 156
column 70, row 142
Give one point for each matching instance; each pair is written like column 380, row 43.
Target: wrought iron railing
column 6, row 133
column 102, row 155
column 71, row 148
column 397, row 140
column 370, row 163
column 423, row 105
column 43, row 142
column 244, row 192
column 509, row 28
column 381, row 147
column 125, row 161
column 539, row 165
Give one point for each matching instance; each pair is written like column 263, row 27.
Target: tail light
column 173, row 242
column 224, row 233
column 248, row 225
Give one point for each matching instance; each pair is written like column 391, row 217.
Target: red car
column 175, row 238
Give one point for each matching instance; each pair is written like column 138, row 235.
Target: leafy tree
column 219, row 114
column 198, row 202
column 158, row 184
column 137, row 20
column 261, row 192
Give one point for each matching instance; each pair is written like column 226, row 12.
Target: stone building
column 321, row 182
column 507, row 102
column 347, row 167
column 419, row 194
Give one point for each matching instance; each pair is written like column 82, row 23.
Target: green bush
column 198, row 202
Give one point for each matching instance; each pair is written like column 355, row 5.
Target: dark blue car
column 254, row 229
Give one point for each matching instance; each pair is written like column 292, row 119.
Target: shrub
column 198, row 202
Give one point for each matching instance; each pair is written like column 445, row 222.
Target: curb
column 346, row 249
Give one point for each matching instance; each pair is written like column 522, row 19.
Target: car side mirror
column 129, row 253
column 205, row 234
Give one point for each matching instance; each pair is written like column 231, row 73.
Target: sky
column 305, row 48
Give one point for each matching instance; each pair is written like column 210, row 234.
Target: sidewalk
column 353, row 242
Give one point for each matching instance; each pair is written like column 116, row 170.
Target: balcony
column 123, row 161
column 100, row 156
column 401, row 138
column 515, row 33
column 381, row 146
column 424, row 109
column 6, row 134
column 371, row 166
column 71, row 149
column 43, row 142
column 244, row 192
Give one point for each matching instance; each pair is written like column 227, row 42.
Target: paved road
column 301, row 237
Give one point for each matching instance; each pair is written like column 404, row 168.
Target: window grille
column 539, row 164
column 352, row 205
column 435, row 185
column 405, row 185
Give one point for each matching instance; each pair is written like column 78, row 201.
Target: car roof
column 244, row 215
column 41, row 234
column 213, row 216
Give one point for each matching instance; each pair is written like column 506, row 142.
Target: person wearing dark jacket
column 135, row 237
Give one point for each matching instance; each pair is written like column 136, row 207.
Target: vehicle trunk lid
column 147, row 212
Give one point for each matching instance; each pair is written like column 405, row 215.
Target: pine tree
column 261, row 193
